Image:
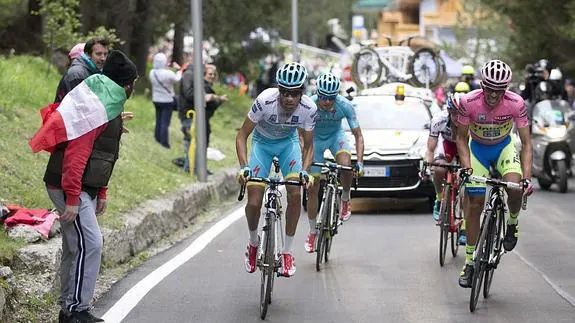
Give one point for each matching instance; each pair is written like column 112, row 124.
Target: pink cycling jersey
column 488, row 125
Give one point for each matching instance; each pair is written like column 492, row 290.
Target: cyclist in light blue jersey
column 329, row 134
column 273, row 119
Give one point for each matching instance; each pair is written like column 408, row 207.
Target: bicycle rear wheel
column 444, row 223
column 268, row 268
column 481, row 259
column 496, row 247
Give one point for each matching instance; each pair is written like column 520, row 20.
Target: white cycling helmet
column 496, row 75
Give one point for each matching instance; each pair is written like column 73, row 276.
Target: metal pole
column 199, row 100
column 294, row 25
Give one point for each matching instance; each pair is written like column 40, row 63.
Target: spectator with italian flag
column 83, row 133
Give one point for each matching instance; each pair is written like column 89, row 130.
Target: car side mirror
column 427, row 126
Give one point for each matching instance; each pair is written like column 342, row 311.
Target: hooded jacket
column 79, row 70
column 163, row 79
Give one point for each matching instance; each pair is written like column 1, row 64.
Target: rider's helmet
column 453, row 102
column 468, row 70
column 462, row 87
column 496, row 75
column 327, row 84
column 291, row 76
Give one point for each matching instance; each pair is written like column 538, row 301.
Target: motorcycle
column 552, row 136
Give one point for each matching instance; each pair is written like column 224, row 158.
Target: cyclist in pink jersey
column 488, row 115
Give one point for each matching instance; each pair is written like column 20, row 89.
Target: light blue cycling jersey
column 329, row 122
column 274, row 124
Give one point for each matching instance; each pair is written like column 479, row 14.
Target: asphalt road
column 383, row 268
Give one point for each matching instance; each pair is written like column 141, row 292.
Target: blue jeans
column 163, row 117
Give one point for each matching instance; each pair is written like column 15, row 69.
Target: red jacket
column 75, row 160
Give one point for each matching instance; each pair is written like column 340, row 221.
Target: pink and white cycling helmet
column 496, row 75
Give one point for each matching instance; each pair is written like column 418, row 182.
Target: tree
column 480, row 33
column 539, row 29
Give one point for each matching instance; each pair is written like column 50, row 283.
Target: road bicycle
column 450, row 211
column 328, row 216
column 489, row 246
column 269, row 258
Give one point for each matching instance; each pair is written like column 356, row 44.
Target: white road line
column 132, row 297
column 563, row 293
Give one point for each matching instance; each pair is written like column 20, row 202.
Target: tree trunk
column 140, row 40
column 34, row 21
column 178, row 50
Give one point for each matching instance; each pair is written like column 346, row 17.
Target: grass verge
column 145, row 168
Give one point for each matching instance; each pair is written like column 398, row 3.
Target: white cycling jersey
column 441, row 125
column 274, row 123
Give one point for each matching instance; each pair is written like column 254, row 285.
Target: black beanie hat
column 119, row 68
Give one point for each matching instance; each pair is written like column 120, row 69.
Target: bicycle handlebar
column 334, row 166
column 268, row 181
column 499, row 183
column 451, row 167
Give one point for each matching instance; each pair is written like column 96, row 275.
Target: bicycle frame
column 273, row 221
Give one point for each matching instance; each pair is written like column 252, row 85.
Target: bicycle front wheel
column 481, row 259
column 268, row 268
column 456, row 211
column 495, row 245
column 444, row 223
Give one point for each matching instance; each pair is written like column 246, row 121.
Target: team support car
column 395, row 131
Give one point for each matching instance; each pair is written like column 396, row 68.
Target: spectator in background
column 570, row 91
column 162, row 80
column 213, row 101
column 91, row 61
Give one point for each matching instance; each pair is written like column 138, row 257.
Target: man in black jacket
column 90, row 62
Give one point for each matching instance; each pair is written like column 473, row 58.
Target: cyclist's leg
column 509, row 165
column 439, row 174
column 341, row 150
column 290, row 163
column 475, row 197
column 319, row 147
column 259, row 162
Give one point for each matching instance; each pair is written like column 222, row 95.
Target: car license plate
column 376, row 171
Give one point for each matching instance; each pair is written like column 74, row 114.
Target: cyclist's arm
column 307, row 151
column 242, row 139
column 462, row 143
column 358, row 143
column 526, row 152
column 431, row 145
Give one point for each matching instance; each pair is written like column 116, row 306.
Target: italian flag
column 92, row 103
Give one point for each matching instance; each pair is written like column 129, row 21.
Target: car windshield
column 382, row 112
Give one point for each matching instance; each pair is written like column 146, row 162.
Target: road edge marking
column 134, row 295
column 560, row 291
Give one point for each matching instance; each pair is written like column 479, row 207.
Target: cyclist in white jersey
column 273, row 119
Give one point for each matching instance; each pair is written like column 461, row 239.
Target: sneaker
column 511, row 236
column 466, row 276
column 310, row 242
column 436, row 209
column 345, row 211
column 462, row 238
column 251, row 255
column 84, row 317
column 288, row 265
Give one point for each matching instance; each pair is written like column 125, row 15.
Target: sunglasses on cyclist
column 326, row 97
column 294, row 93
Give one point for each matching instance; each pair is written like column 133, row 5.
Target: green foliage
column 144, row 169
column 61, row 23
column 480, row 33
column 539, row 29
column 102, row 32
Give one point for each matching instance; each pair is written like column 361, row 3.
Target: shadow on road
column 390, row 206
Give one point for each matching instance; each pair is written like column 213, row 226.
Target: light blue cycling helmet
column 327, row 84
column 291, row 76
